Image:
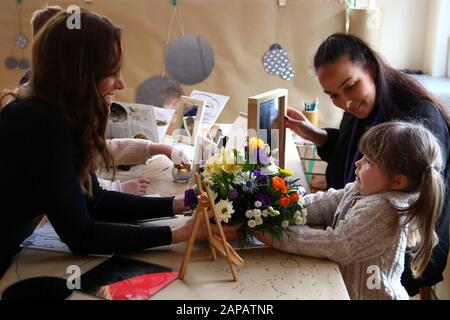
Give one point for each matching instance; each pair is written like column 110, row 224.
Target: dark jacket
column 335, row 150
column 37, row 176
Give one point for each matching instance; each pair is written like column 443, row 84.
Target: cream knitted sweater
column 363, row 235
column 126, row 151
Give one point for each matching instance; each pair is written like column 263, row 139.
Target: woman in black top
column 52, row 139
column 371, row 92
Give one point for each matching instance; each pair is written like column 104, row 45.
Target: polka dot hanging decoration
column 20, row 42
column 276, row 62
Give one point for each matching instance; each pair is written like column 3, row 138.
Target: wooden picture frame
column 266, row 112
column 187, row 126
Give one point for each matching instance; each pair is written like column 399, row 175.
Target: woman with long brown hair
column 371, row 92
column 52, row 139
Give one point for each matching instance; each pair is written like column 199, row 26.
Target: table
column 267, row 274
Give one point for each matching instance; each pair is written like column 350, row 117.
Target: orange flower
column 284, row 190
column 284, row 201
column 294, row 197
column 278, row 183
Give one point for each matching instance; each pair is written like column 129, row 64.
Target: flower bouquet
column 252, row 191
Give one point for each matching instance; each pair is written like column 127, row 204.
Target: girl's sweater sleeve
column 129, row 151
column 321, row 206
column 363, row 235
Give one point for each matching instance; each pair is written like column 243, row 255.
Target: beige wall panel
column 240, row 32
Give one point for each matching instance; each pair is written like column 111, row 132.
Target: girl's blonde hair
column 411, row 150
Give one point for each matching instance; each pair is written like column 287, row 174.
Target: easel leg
column 208, row 227
column 190, row 244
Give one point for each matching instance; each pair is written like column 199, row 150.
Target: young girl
column 395, row 201
column 370, row 92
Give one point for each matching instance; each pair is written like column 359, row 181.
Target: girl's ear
column 399, row 182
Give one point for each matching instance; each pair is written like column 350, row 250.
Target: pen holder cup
column 312, row 116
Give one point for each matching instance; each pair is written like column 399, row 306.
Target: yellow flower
column 227, row 161
column 212, row 165
column 232, row 168
column 255, row 142
column 286, row 172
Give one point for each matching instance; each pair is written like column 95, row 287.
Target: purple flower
column 260, row 176
column 190, row 197
column 264, row 199
column 261, row 155
column 232, row 194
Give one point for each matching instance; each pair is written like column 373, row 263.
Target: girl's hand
column 265, row 238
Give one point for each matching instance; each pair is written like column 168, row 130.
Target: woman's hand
column 297, row 122
column 182, row 233
column 178, row 156
column 178, row 206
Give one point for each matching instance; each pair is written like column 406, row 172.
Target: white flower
column 249, row 214
column 297, row 214
column 273, row 212
column 285, row 224
column 300, row 220
column 224, row 209
column 258, row 204
column 265, row 213
column 304, row 212
column 257, row 213
column 251, row 223
column 271, row 169
column 259, row 220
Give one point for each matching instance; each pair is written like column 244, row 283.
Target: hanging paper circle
column 24, row 64
column 159, row 91
column 11, row 63
column 189, row 59
column 276, row 62
column 21, row 41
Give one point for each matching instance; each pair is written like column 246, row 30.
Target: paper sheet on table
column 45, row 238
column 214, row 104
column 163, row 118
column 132, row 120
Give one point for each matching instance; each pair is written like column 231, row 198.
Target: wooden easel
column 205, row 202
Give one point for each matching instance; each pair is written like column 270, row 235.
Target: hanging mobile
column 276, row 60
column 20, row 42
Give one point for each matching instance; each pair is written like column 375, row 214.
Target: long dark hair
column 410, row 149
column 387, row 79
column 67, row 65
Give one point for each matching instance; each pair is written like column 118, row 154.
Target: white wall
column 404, row 32
column 437, row 39
column 415, row 34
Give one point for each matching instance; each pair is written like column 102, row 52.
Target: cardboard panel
column 240, row 32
